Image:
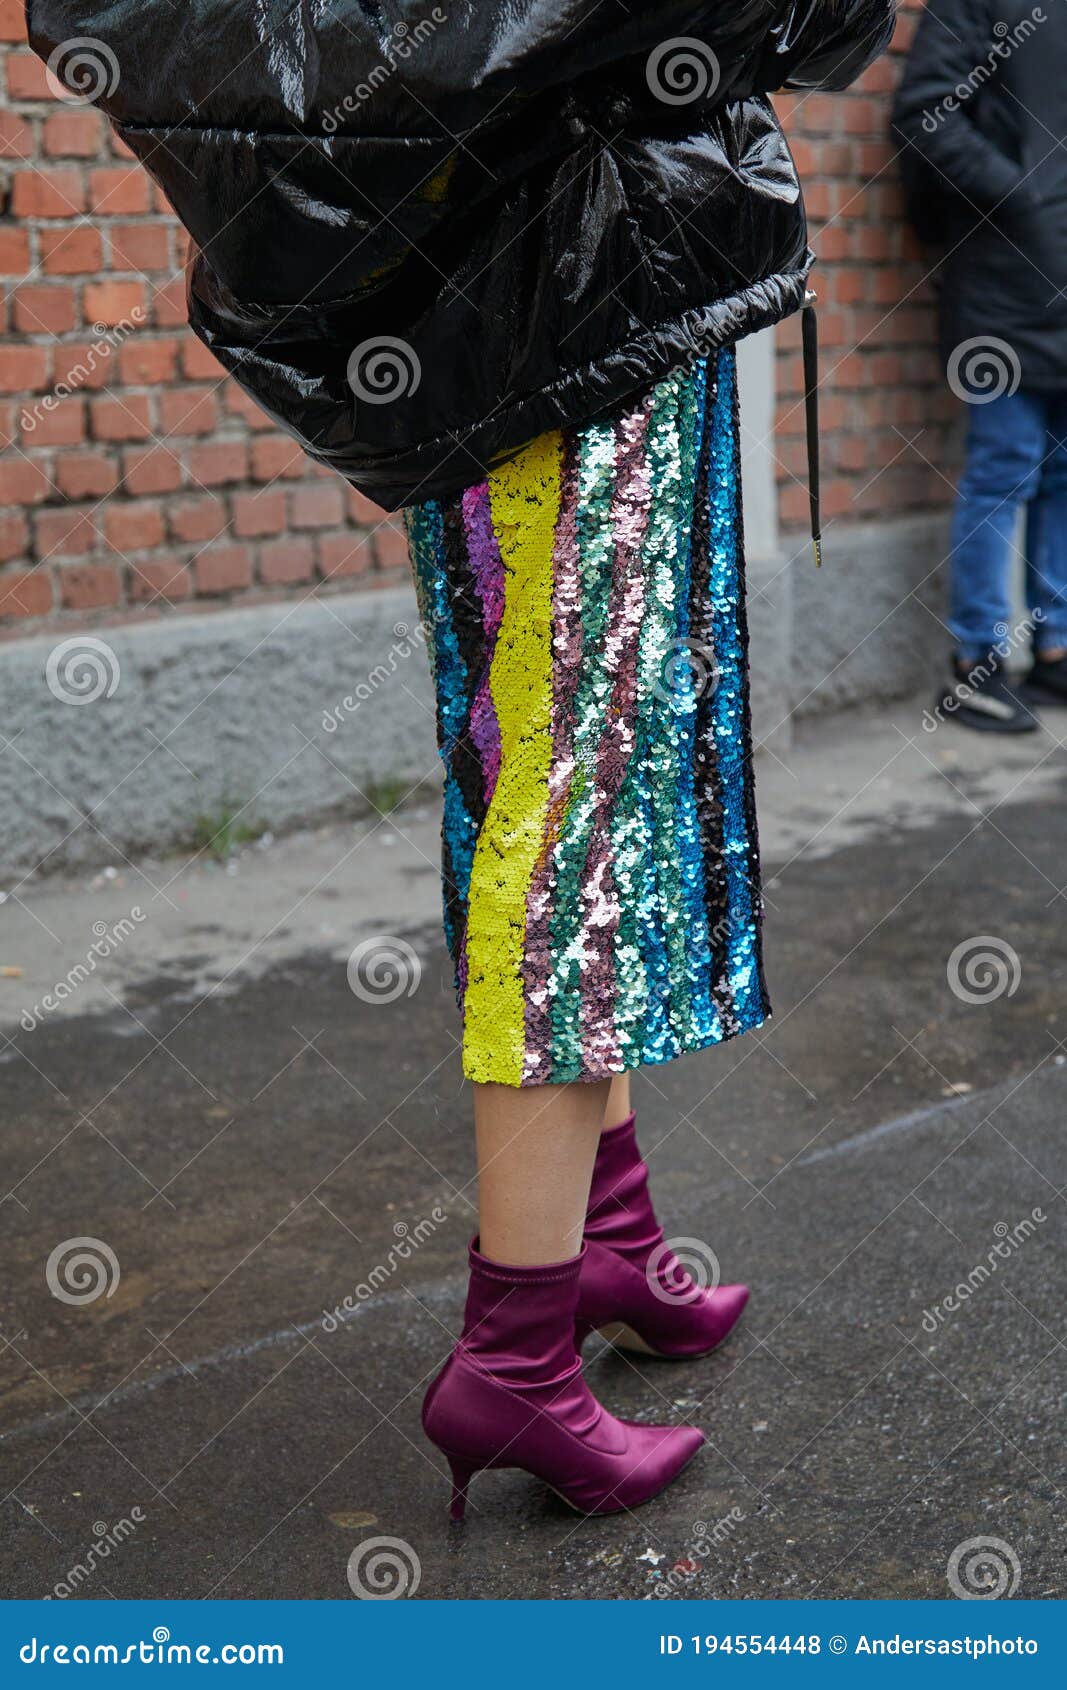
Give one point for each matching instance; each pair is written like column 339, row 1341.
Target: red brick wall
column 153, row 483
column 888, row 443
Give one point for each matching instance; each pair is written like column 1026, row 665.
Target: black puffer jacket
column 515, row 216
column 980, row 121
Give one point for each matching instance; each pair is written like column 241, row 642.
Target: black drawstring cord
column 810, row 327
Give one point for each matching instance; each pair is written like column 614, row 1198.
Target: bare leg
column 536, row 1148
column 618, row 1104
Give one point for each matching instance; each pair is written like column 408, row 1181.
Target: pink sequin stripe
column 483, row 553
column 568, row 636
column 599, row 894
column 487, row 571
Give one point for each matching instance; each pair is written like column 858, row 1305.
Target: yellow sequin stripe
column 524, row 499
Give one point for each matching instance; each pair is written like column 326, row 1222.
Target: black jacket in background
column 530, row 210
column 981, row 121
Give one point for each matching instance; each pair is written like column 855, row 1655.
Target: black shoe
column 981, row 697
column 1047, row 681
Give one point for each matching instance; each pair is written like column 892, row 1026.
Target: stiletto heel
column 512, row 1394
column 660, row 1310
column 462, row 1474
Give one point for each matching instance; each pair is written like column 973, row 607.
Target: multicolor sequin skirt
column 586, row 621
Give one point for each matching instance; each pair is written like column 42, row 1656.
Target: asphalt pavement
column 275, row 1176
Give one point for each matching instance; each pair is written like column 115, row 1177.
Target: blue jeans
column 1016, row 455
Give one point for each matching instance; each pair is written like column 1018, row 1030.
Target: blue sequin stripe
column 426, row 534
column 729, row 704
column 658, row 1040
column 705, row 1027
column 755, row 879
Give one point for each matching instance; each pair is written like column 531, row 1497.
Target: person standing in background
column 980, row 119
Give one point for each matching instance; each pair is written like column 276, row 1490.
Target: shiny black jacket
column 980, row 121
column 425, row 233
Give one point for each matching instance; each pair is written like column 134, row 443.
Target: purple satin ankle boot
column 512, row 1394
column 633, row 1287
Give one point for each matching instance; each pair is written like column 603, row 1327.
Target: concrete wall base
column 870, row 623
column 280, row 716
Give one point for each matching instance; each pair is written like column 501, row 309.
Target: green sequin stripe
column 596, row 553
column 631, row 847
column 652, row 952
column 660, row 730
